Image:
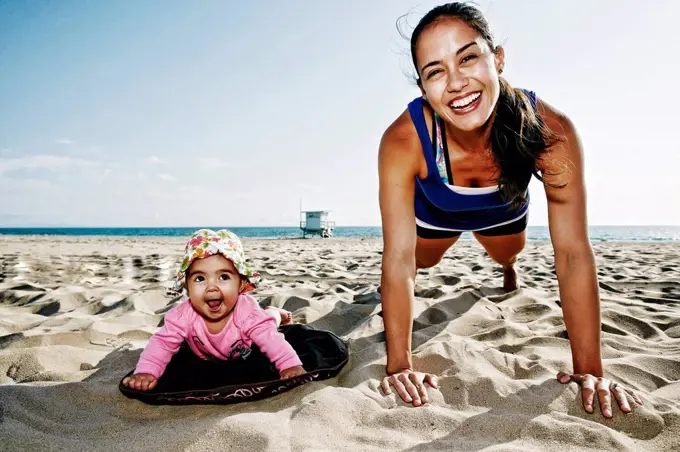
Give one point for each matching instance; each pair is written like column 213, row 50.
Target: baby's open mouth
column 214, row 305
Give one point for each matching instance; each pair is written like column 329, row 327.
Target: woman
column 460, row 158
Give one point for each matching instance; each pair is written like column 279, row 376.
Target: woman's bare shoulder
column 564, row 159
column 400, row 142
column 556, row 120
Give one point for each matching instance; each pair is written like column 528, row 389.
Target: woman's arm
column 575, row 266
column 399, row 163
column 397, row 172
column 574, row 259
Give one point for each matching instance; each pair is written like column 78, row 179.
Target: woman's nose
column 456, row 81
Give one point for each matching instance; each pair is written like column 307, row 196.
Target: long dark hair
column 519, row 137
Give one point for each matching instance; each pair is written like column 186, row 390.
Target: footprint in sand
column 445, row 280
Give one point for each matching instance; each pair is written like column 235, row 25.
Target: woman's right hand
column 410, row 385
column 140, row 382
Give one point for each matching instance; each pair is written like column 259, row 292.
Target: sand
column 75, row 313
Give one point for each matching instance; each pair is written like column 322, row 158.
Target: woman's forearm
column 579, row 295
column 397, row 302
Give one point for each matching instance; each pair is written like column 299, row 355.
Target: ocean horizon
column 534, row 233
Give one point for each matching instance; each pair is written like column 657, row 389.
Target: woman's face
column 459, row 73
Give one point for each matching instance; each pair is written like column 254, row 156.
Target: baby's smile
column 214, row 305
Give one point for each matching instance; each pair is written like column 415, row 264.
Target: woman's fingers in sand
column 404, row 388
column 621, row 397
column 633, row 395
column 140, row 382
column 409, row 385
column 605, row 389
column 604, row 395
column 588, row 392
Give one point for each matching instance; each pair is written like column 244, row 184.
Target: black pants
column 515, row 227
column 186, row 371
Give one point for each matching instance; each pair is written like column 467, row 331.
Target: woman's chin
column 471, row 122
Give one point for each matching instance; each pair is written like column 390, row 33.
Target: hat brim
column 252, row 277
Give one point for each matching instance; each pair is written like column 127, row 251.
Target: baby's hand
column 140, row 382
column 292, row 372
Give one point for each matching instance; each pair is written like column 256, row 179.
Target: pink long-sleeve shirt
column 248, row 324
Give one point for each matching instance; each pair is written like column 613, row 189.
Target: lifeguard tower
column 316, row 222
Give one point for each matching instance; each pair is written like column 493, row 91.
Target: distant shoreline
column 597, row 234
column 93, row 238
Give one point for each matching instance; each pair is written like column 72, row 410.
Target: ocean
column 597, row 233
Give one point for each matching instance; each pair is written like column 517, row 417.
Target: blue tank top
column 441, row 206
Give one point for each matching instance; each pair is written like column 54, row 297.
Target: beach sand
column 75, row 313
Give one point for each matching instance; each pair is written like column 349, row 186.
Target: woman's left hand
column 605, row 388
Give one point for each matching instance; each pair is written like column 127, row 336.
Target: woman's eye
column 468, row 58
column 433, row 73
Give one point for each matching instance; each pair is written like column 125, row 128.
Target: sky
column 179, row 113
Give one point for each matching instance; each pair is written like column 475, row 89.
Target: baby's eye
column 225, row 277
column 198, row 278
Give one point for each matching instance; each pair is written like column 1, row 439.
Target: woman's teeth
column 465, row 101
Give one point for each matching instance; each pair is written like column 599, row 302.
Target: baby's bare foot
column 286, row 317
column 282, row 316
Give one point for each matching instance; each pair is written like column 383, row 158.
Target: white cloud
column 25, row 184
column 49, row 162
column 167, row 177
column 153, row 160
column 213, row 163
column 65, row 141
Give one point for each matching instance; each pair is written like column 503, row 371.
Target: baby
column 219, row 319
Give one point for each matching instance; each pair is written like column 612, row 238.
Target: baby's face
column 213, row 285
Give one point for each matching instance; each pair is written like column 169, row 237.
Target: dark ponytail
column 519, row 138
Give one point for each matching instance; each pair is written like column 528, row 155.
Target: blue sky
column 169, row 113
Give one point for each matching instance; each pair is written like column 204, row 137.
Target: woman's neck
column 472, row 141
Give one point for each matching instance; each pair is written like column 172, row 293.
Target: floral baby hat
column 206, row 242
